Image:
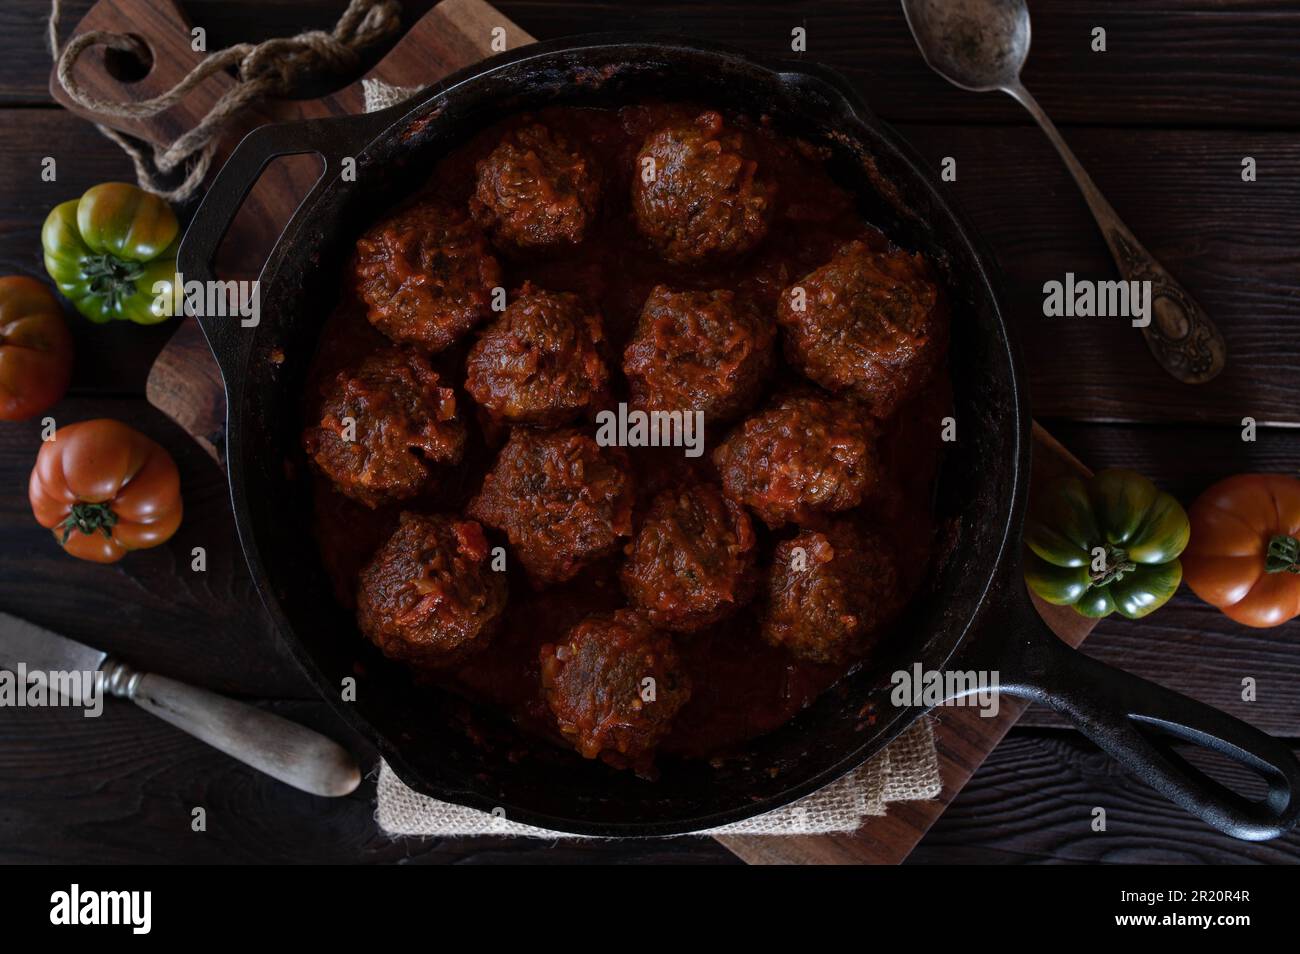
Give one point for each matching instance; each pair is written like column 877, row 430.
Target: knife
column 282, row 749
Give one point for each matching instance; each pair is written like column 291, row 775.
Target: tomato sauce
column 742, row 687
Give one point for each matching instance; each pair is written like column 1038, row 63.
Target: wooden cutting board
column 186, row 385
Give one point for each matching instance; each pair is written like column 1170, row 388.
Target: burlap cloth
column 908, row 770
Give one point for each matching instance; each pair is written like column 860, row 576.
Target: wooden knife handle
column 284, row 750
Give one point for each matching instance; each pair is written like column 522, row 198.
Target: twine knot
column 277, row 67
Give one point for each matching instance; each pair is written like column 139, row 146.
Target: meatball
column 536, row 191
column 426, row 275
column 692, row 562
column 428, row 597
column 868, row 322
column 561, row 499
column 706, row 197
column 696, row 350
column 804, row 454
column 382, row 426
column 539, row 363
column 830, row 592
column 596, row 682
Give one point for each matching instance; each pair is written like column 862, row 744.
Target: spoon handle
column 1180, row 334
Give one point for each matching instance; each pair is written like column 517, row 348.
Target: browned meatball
column 692, row 562
column 804, row 454
column 561, row 499
column 382, row 425
column 706, row 198
column 429, row 597
column 697, row 350
column 536, row 191
column 426, row 275
column 830, row 592
column 614, row 684
column 871, row 324
column 539, row 363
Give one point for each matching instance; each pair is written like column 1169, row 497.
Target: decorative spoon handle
column 1180, row 334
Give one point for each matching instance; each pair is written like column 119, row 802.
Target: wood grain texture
column 1180, row 62
column 1190, row 646
column 1033, row 803
column 1224, row 68
column 1234, row 245
column 121, row 789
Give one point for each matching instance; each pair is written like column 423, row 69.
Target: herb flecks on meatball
column 698, row 351
column 869, row 322
column 830, row 592
column 561, row 499
column 426, row 275
column 698, row 193
column 692, row 563
column 614, row 684
column 536, row 191
column 429, row 596
column 383, row 425
column 803, row 455
column 540, row 362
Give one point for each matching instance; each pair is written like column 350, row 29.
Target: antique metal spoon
column 981, row 45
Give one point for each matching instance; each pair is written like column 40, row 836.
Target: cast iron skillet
column 973, row 612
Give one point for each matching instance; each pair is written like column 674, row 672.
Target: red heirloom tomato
column 105, row 489
column 35, row 349
column 1244, row 555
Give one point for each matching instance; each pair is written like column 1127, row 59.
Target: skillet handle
column 1127, row 716
column 332, row 139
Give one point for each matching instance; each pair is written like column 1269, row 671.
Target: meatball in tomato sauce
column 698, row 192
column 692, row 562
column 429, row 597
column 561, row 499
column 803, row 455
column 383, row 426
column 830, row 592
column 701, row 351
column 426, row 275
column 614, row 684
column 869, row 322
column 536, row 191
column 540, row 362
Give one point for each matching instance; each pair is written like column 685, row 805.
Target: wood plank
column 1185, row 62
column 1235, row 245
column 120, row 789
column 1032, row 803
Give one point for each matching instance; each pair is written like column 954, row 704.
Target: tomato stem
column 1283, row 554
column 89, row 517
column 1117, row 564
column 111, row 278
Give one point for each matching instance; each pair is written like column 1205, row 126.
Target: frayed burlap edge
column 908, row 770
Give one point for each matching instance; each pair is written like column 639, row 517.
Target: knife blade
column 42, row 650
column 285, row 750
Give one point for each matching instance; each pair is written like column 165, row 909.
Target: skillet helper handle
column 284, row 750
column 1127, row 716
column 331, row 139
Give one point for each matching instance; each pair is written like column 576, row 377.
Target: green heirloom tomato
column 1104, row 544
column 113, row 253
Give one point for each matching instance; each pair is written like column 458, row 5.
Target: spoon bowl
column 979, row 45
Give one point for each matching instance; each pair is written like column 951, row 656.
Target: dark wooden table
column 1162, row 120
